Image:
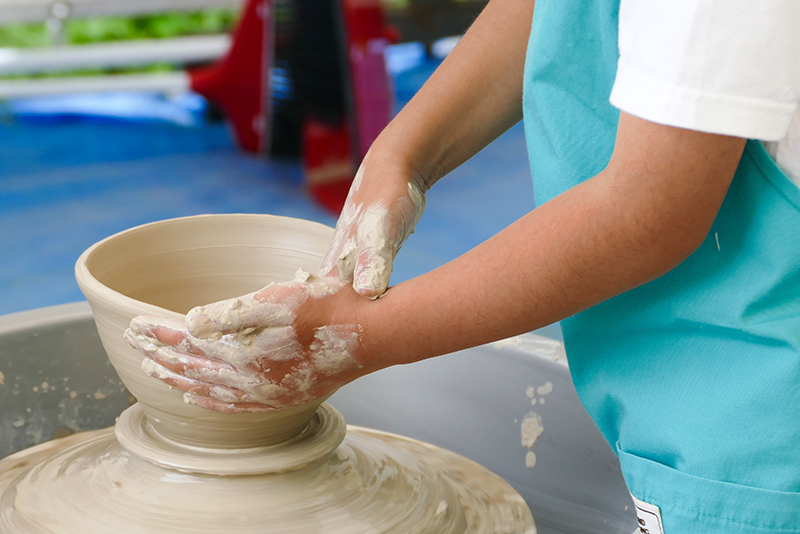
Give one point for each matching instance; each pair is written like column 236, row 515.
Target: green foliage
column 104, row 29
column 24, row 35
column 94, row 30
column 208, row 21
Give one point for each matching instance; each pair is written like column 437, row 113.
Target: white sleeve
column 720, row 66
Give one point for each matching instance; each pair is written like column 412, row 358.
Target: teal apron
column 694, row 378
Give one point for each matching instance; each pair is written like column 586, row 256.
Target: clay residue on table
column 531, row 430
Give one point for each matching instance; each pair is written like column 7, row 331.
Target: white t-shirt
column 721, row 66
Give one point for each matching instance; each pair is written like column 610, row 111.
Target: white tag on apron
column 649, row 518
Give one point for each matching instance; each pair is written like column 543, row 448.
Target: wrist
column 404, row 150
column 377, row 342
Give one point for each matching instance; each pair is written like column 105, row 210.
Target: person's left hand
column 282, row 346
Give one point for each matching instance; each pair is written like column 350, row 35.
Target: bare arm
column 636, row 220
column 643, row 215
column 473, row 97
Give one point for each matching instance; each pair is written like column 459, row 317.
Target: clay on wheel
column 169, row 467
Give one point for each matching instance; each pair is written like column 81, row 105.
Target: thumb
column 272, row 306
column 378, row 240
column 373, row 271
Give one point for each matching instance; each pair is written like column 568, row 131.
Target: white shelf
column 177, row 51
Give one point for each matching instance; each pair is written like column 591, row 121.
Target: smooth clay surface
column 169, row 467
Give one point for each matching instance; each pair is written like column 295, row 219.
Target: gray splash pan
column 59, row 381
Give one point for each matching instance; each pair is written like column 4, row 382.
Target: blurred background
column 115, row 113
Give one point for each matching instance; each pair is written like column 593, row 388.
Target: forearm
column 633, row 222
column 474, row 96
column 532, row 274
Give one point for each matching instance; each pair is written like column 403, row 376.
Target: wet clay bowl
column 165, row 269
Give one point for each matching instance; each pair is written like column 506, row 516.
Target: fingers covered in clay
column 369, row 233
column 167, row 331
column 269, row 307
column 263, row 365
column 209, row 396
column 205, row 360
column 185, row 364
column 219, row 383
column 153, row 369
column 237, row 392
column 274, row 306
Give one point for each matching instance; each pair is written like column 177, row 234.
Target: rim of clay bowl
column 85, row 277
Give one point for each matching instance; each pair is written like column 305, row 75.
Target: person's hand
column 381, row 211
column 282, row 346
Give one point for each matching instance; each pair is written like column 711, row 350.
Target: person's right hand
column 381, row 211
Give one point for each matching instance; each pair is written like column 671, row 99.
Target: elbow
column 673, row 243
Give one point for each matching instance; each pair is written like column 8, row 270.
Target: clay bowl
column 165, row 269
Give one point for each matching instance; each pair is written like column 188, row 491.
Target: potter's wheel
column 471, row 402
column 172, row 467
column 371, row 482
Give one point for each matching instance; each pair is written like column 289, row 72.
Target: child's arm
column 474, row 96
column 640, row 217
column 644, row 214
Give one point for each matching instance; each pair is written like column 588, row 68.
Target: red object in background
column 239, row 83
column 367, row 40
column 328, row 178
column 327, row 162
